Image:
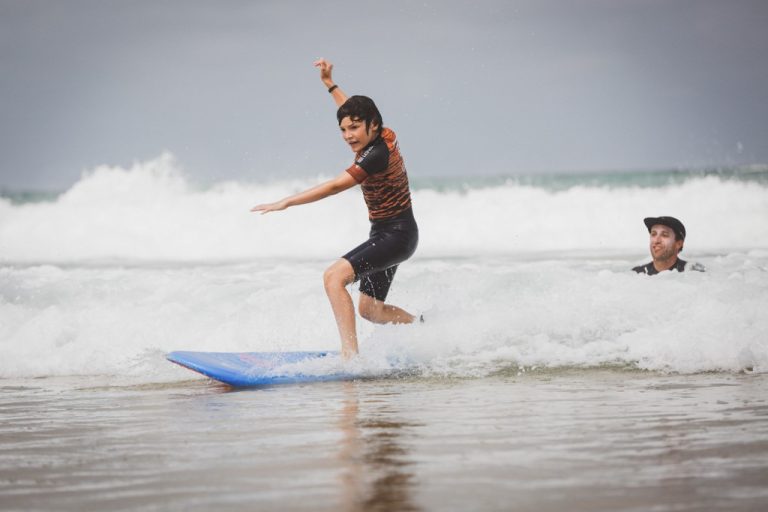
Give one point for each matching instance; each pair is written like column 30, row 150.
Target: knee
column 330, row 278
column 335, row 277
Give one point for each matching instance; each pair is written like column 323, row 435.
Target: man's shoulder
column 683, row 265
column 680, row 266
column 648, row 268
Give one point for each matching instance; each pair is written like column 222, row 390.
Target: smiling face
column 664, row 245
column 355, row 133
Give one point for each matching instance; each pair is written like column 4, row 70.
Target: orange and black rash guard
column 380, row 170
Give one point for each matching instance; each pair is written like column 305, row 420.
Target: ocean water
column 129, row 263
column 547, row 375
column 540, row 441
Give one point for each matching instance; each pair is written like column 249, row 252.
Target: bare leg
column 336, row 278
column 380, row 313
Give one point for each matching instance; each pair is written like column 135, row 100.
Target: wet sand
column 543, row 440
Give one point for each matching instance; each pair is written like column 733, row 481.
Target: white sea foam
column 132, row 263
column 150, row 212
column 483, row 314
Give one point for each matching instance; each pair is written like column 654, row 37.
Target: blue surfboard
column 242, row 369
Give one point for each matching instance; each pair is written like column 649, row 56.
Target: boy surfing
column 379, row 169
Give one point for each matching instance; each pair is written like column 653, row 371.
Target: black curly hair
column 360, row 108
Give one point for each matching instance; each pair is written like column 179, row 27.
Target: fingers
column 324, row 65
column 270, row 207
column 263, row 208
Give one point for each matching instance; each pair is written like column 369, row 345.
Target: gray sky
column 482, row 87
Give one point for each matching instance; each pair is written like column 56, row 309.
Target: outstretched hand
column 326, row 69
column 269, row 207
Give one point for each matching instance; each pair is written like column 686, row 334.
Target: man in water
column 379, row 169
column 667, row 238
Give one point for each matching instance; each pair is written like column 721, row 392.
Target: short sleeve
column 375, row 158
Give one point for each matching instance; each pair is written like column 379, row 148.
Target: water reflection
column 373, row 455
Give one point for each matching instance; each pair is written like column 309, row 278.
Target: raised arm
column 338, row 184
column 326, row 68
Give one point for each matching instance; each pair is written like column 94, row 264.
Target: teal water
column 613, row 179
column 547, row 181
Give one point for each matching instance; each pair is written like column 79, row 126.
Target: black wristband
column 332, row 88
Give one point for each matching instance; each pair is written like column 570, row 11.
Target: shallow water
column 541, row 440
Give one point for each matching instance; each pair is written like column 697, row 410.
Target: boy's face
column 354, row 133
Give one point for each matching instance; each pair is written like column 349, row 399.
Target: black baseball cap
column 671, row 222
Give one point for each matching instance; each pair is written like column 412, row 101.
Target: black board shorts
column 391, row 242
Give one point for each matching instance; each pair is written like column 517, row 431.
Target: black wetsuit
column 394, row 235
column 651, row 270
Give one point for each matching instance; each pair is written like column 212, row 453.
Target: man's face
column 663, row 243
column 354, row 133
